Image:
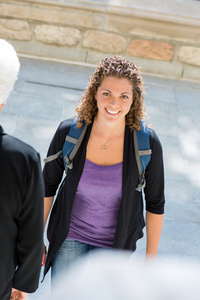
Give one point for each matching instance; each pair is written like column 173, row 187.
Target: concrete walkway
column 48, row 92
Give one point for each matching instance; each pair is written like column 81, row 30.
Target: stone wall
column 85, row 31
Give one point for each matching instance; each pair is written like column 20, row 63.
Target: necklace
column 105, row 146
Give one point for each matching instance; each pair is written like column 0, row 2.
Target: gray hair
column 9, row 69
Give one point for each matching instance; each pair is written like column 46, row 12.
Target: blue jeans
column 69, row 252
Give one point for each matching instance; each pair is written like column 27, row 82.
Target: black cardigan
column 21, row 214
column 130, row 219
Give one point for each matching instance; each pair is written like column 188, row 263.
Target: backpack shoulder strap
column 142, row 153
column 52, row 157
column 72, row 143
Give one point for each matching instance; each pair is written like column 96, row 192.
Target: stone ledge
column 50, row 14
column 121, row 8
column 85, row 31
column 160, row 17
column 172, row 10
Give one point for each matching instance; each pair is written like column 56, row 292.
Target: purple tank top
column 96, row 205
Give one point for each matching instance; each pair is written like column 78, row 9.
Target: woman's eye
column 106, row 94
column 124, row 97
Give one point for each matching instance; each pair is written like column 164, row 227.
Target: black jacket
column 130, row 219
column 21, row 214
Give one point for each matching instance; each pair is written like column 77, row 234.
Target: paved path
column 47, row 93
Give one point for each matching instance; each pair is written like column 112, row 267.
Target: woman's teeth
column 112, row 112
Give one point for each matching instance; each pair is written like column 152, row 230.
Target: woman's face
column 114, row 98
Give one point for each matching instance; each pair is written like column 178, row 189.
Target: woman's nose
column 114, row 100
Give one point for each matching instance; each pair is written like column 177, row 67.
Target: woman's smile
column 112, row 112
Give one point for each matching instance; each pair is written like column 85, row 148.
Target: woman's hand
column 18, row 295
column 44, row 255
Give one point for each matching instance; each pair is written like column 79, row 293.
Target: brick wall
column 84, row 32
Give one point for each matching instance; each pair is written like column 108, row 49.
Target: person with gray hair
column 21, row 199
column 9, row 68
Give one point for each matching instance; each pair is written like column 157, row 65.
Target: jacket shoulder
column 64, row 127
column 13, row 145
column 153, row 137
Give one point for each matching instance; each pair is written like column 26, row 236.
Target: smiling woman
column 98, row 205
column 114, row 98
column 122, row 72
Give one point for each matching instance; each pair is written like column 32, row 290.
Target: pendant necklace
column 105, row 146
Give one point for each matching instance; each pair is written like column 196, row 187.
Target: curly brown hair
column 116, row 67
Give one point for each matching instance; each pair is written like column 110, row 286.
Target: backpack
column 75, row 136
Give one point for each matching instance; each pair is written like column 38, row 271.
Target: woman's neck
column 106, row 126
column 108, row 133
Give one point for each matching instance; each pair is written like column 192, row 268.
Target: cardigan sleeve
column 53, row 170
column 154, row 190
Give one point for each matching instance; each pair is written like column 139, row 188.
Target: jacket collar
column 1, row 130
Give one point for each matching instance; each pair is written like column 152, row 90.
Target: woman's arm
column 48, row 201
column 154, row 224
column 154, row 196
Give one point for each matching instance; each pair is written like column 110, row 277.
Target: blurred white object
column 114, row 275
